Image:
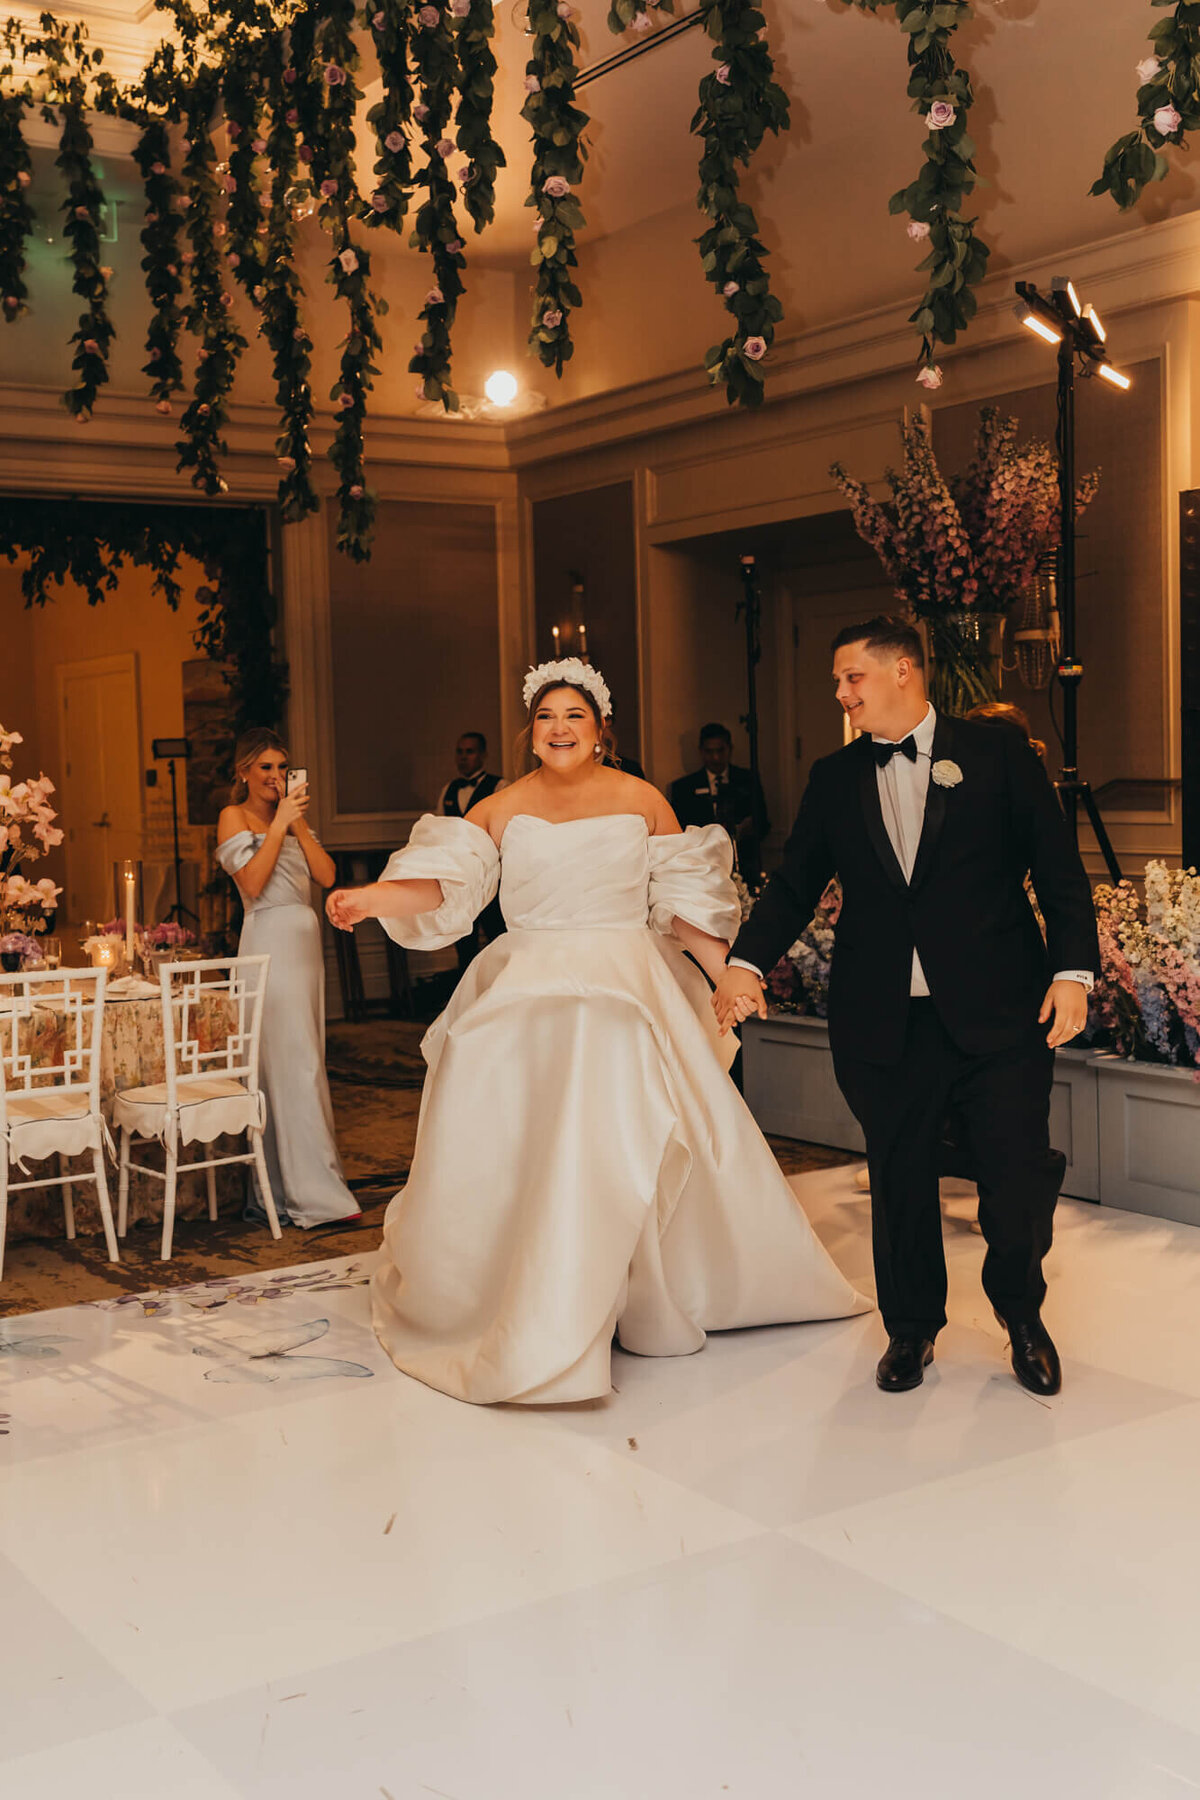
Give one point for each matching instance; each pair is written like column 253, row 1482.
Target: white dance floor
column 241, row 1556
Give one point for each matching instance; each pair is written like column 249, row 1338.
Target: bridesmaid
column 264, row 844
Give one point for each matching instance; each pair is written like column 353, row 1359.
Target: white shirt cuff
column 737, row 962
column 1084, row 977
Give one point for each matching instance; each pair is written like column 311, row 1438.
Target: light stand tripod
column 168, row 749
column 750, row 606
column 1077, row 332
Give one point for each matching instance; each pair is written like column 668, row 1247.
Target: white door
column 102, row 779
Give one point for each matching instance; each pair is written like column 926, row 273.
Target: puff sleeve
column 691, row 878
column 463, row 858
column 236, row 851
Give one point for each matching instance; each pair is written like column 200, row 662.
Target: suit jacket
column 486, row 785
column 741, row 798
column 965, row 910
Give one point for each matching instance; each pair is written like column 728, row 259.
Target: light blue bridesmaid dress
column 302, row 1159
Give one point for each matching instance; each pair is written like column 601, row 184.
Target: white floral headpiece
column 574, row 673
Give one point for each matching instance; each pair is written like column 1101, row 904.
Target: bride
column 583, row 1162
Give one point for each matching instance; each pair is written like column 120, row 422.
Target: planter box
column 788, row 1080
column 1149, row 1133
column 787, row 1069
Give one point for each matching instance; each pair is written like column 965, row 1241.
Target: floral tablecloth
column 131, row 1056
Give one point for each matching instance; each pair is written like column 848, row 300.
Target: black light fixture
column 167, row 750
column 1077, row 333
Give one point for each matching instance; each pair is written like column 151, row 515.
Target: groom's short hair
column 893, row 636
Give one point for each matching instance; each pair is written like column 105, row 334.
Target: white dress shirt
column 465, row 793
column 903, row 791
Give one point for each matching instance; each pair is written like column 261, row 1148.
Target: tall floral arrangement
column 799, row 982
column 27, row 832
column 1147, row 1002
column 962, row 545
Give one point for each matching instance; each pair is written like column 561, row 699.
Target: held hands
column 739, row 993
column 1068, row 1001
column 346, row 907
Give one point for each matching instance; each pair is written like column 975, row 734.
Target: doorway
column 100, row 735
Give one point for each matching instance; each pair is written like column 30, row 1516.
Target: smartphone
column 296, row 778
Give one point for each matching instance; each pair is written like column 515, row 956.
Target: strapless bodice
column 581, row 875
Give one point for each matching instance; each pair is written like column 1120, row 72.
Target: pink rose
column 463, row 174
column 23, row 177
column 226, row 300
column 188, row 258
column 11, row 303
column 556, row 186
column 380, row 201
column 345, row 401
column 220, row 229
column 1147, row 70
column 91, row 347
column 755, row 348
column 158, row 168
column 229, row 184
column 259, row 146
column 286, row 463
column 563, row 10
column 81, row 212
column 731, row 288
column 454, row 246
column 292, row 116
column 335, row 75
column 260, row 293
column 394, row 141
column 349, row 261
column 429, row 17
column 306, row 154
column 552, row 318
column 435, row 297
column 532, row 85
column 940, row 114
column 299, row 334
column 445, row 147
column 640, row 22
column 1167, row 121
column 289, row 75
column 724, row 74
column 918, row 230
column 162, row 406
column 152, row 218
column 930, row 377
column 460, row 8
column 328, row 189
column 233, row 259
column 235, row 130
column 421, row 112
column 203, row 409
column 356, row 492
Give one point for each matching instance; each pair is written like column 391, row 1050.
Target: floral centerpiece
column 17, row 948
column 27, row 832
column 962, row 550
column 1146, row 1004
column 799, row 982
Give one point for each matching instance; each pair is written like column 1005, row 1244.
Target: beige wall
column 68, row 630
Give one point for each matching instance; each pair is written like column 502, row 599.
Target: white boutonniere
column 946, row 774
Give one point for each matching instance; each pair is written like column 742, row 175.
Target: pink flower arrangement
column 1147, row 1000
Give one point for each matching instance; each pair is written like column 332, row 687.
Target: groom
column 942, row 991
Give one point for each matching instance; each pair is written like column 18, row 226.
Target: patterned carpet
column 375, row 1076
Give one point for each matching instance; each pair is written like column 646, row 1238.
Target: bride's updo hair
column 604, row 731
column 247, row 750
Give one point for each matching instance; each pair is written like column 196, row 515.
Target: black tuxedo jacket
column 741, row 798
column 965, row 911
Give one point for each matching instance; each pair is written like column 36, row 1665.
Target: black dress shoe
column 903, row 1364
column 1034, row 1358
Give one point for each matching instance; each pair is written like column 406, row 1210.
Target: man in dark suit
column 720, row 793
column 942, row 992
column 471, row 784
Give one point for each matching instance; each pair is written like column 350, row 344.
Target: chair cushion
column 27, row 1105
column 49, row 1121
column 209, row 1106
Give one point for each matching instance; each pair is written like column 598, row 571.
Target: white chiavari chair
column 53, row 1109
column 208, row 1092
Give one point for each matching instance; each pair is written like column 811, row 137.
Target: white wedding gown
column 583, row 1161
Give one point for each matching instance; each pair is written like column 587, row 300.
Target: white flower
column 574, row 673
column 946, row 773
column 1147, row 70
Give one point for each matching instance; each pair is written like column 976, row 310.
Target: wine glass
column 51, row 949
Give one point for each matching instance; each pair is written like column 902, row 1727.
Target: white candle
column 554, row 635
column 582, row 638
column 130, row 885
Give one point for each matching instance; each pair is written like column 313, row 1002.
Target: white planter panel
column 1149, row 1139
column 789, row 1082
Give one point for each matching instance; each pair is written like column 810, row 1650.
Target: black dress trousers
column 1002, row 1101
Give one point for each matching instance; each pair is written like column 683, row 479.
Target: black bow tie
column 885, row 752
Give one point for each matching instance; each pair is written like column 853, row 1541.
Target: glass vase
column 964, row 658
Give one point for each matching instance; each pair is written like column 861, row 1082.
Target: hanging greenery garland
column 957, row 257
column 69, row 64
column 89, row 542
column 739, row 103
column 558, row 158
column 476, row 93
column 1168, row 103
column 16, row 174
column 349, row 269
column 435, row 227
column 282, row 325
column 241, row 92
column 391, row 117
column 161, row 263
column 209, row 312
